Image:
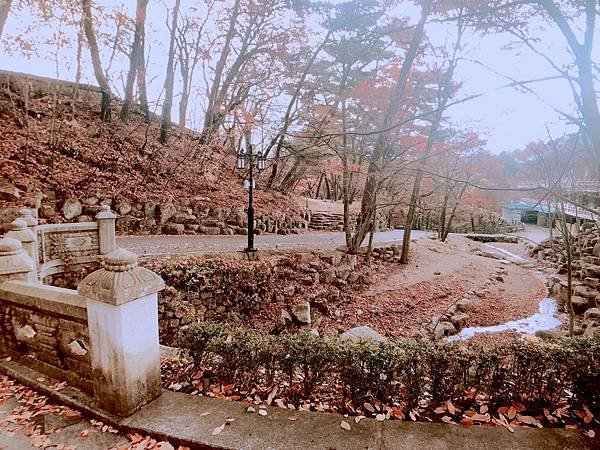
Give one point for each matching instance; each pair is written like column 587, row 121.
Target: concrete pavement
column 164, row 244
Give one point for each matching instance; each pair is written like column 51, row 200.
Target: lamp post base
column 249, row 250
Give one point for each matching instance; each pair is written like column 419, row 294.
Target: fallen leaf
column 218, row 429
column 591, row 433
column 293, row 418
column 262, row 412
column 345, row 425
column 440, row 410
column 450, row 407
column 380, row 417
column 357, row 419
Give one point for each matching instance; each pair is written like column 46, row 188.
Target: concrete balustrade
column 117, row 319
column 122, row 307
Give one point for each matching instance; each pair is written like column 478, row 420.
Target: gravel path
column 161, row 244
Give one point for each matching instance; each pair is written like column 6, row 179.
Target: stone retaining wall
column 287, row 286
column 153, row 217
column 46, row 328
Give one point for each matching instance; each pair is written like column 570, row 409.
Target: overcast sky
column 507, row 118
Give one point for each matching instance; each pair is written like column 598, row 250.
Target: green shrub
column 404, row 372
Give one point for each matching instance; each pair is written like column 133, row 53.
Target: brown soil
column 403, row 298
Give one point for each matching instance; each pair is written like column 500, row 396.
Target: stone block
column 71, row 208
column 174, row 228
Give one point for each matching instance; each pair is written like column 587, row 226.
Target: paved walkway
column 162, row 244
column 202, row 422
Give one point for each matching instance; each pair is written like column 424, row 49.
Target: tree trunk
column 134, row 57
column 141, row 79
column 165, row 122
column 4, row 10
column 96, row 62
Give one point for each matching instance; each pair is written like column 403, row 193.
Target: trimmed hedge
column 410, row 372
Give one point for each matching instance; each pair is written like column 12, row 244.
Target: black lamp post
column 249, row 155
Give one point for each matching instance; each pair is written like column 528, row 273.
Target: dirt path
column 162, row 244
column 404, row 298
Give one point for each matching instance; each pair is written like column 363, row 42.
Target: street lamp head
column 240, row 161
column 261, row 162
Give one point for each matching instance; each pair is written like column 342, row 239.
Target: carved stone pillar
column 123, row 329
column 27, row 216
column 106, row 230
column 15, row 262
column 20, row 231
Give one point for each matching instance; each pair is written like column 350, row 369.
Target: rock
column 301, row 312
column 123, row 208
column 286, row 317
column 592, row 313
column 464, row 305
column 328, row 276
column 363, row 333
column 93, row 131
column 210, row 230
column 549, row 334
column 174, row 228
column 184, row 218
column 72, row 208
column 444, row 329
column 48, row 211
column 24, row 333
column 459, row 320
column 93, row 200
column 580, row 304
column 165, row 212
column 596, row 250
column 343, row 272
column 9, row 193
column 77, row 348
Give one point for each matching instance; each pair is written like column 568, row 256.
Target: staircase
column 326, row 221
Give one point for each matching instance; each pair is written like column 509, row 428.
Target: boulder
column 301, row 312
column 72, row 208
column 464, row 305
column 592, row 313
column 343, row 272
column 580, row 304
column 444, row 329
column 459, row 320
column 47, row 211
column 165, row 212
column 364, row 334
column 173, row 228
column 549, row 334
column 9, row 193
column 123, row 208
column 328, row 276
column 210, row 230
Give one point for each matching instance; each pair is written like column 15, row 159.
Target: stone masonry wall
column 153, row 217
column 276, row 291
column 47, row 337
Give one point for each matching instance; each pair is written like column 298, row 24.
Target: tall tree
column 165, row 122
column 135, row 56
column 96, row 62
column 4, row 10
column 381, row 150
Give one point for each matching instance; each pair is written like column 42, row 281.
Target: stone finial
column 18, row 230
column 26, row 215
column 105, row 213
column 120, row 280
column 15, row 263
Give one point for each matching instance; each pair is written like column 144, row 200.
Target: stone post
column 122, row 309
column 20, row 231
column 106, row 230
column 26, row 215
column 15, row 262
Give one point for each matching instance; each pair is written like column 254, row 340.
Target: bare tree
column 165, row 122
column 135, row 56
column 96, row 62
